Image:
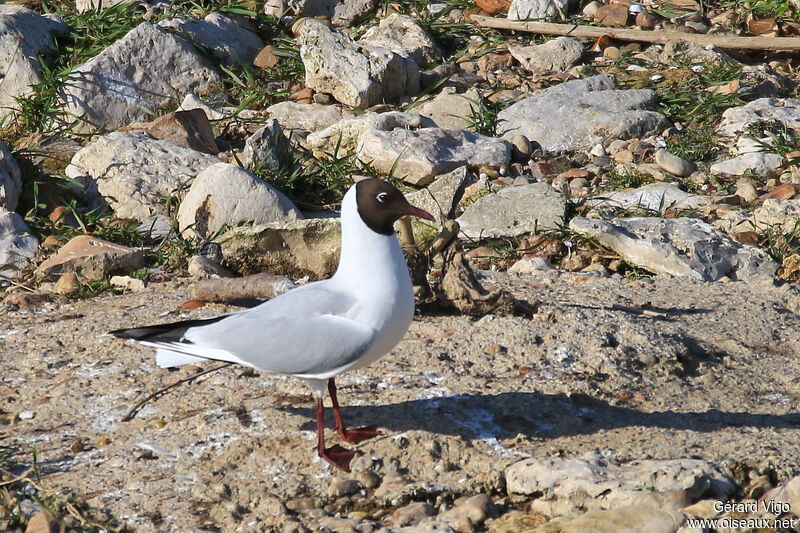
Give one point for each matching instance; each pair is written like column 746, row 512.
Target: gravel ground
column 653, row 368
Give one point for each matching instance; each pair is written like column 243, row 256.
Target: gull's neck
column 369, row 260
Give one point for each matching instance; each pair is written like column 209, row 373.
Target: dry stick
column 644, row 36
column 159, row 392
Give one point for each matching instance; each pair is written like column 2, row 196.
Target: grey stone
column 10, row 179
column 267, row 148
column 129, row 78
column 536, row 9
column 594, row 481
column 578, row 114
column 693, row 53
column 684, row 247
column 443, row 194
column 132, row 171
column 227, row 195
column 24, row 35
column 737, row 119
column 632, row 518
column 343, row 136
column 761, row 164
column 334, row 64
column 340, row 12
column 308, row 247
column 299, row 120
column 416, row 157
column 674, row 164
column 532, row 265
column 403, row 35
column 513, row 211
column 655, row 197
column 450, row 110
column 762, row 81
column 222, row 37
column 18, row 246
column 557, row 54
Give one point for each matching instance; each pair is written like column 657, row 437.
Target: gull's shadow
column 534, row 414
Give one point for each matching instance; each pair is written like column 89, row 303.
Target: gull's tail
column 166, row 336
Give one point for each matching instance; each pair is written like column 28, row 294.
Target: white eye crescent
column 382, row 197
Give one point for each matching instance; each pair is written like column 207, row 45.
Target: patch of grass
column 312, row 183
column 782, row 139
column 697, row 143
column 683, row 96
column 778, row 243
column 627, row 179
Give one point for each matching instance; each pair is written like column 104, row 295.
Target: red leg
column 335, row 455
column 352, row 436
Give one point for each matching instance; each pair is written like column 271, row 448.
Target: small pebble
column 673, row 164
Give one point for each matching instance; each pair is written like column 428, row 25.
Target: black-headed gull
column 321, row 329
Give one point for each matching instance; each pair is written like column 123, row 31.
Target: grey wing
column 301, row 333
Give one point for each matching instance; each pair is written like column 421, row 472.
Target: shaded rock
column 24, row 35
column 300, row 248
column 18, row 246
column 339, row 12
column 762, row 81
column 761, row 164
column 558, row 54
column 593, row 481
column 655, row 197
column 67, row 283
column 673, row 164
column 359, row 78
column 298, row 120
column 417, row 156
column 267, row 148
column 737, row 119
column 403, row 35
column 693, row 53
column 633, row 518
column 536, row 9
column 513, row 211
column 186, row 128
column 132, row 171
column 126, row 80
column 220, row 36
column 678, row 247
column 578, row 114
column 443, row 194
column 451, row 110
column 10, row 179
column 92, row 258
column 342, row 138
column 227, row 195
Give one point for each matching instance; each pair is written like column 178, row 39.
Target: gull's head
column 380, row 204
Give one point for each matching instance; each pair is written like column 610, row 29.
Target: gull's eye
column 383, row 197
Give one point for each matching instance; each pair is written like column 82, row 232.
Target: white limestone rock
column 24, row 35
column 127, row 79
column 417, row 156
column 227, row 195
column 132, row 171
column 224, row 38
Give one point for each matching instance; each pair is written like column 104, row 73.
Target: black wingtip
column 172, row 332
